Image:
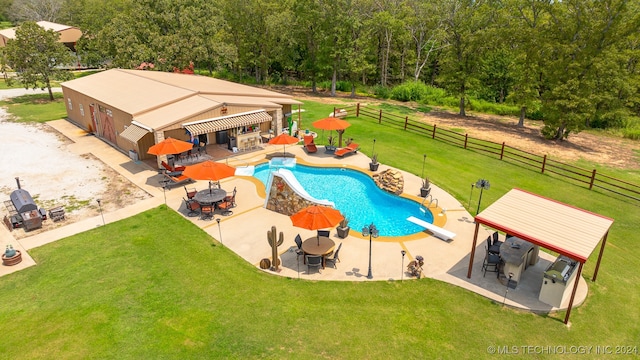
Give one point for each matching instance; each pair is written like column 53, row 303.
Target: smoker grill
column 557, row 280
column 27, row 211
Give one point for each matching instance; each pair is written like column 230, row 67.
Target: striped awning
column 227, row 122
column 134, row 133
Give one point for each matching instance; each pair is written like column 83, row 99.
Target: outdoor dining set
column 209, row 201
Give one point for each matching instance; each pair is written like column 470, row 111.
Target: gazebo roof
column 559, row 227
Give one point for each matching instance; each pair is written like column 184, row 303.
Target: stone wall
column 282, row 199
column 390, row 180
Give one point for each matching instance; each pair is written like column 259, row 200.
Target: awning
column 134, row 133
column 227, row 122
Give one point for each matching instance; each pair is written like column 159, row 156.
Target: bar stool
column 252, row 143
column 243, row 144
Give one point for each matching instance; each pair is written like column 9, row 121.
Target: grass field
column 133, row 290
column 36, row 108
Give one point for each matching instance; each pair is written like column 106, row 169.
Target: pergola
column 556, row 226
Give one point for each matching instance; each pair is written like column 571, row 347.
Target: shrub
column 409, row 91
column 382, row 92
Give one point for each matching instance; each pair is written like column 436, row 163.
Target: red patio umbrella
column 170, row 146
column 332, row 123
column 284, row 139
column 209, row 170
column 316, row 217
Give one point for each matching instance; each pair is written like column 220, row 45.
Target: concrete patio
column 444, row 261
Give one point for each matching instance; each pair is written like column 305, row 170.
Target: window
column 81, row 110
column 69, row 102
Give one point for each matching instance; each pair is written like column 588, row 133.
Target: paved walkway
column 445, row 261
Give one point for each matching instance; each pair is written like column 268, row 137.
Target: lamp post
column 402, row 273
column 424, row 160
column 100, row 207
column 470, row 195
column 372, row 232
column 482, row 184
column 507, row 290
column 220, row 232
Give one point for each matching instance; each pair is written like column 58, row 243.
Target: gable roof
column 67, row 33
column 159, row 99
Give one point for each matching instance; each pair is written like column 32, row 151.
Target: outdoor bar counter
column 517, row 254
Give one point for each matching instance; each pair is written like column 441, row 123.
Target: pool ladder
column 431, row 201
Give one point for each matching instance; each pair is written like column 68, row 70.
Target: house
column 135, row 109
column 69, row 35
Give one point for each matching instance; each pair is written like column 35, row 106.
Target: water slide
column 291, row 180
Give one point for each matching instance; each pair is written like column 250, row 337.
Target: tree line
column 573, row 61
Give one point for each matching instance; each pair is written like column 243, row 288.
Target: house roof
column 67, row 33
column 559, row 227
column 159, row 99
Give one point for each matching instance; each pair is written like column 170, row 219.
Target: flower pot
column 424, row 192
column 374, row 167
column 15, row 259
column 343, row 232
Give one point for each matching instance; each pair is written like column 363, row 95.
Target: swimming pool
column 357, row 197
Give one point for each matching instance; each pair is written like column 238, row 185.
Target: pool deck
column 444, row 261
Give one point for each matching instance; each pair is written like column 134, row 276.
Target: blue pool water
column 357, row 197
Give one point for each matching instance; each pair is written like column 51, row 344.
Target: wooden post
column 544, row 162
column 380, row 117
column 406, row 120
column 502, row 151
column 358, row 110
column 604, row 242
column 473, row 250
column 466, row 138
column 573, row 294
column 593, row 178
column 433, row 136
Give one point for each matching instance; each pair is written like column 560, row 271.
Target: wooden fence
column 589, row 178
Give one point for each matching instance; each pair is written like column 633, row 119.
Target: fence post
column 357, row 109
column 433, row 136
column 502, row 151
column 593, row 178
column 466, row 137
column 406, row 120
column 380, row 117
column 334, row 111
column 544, row 163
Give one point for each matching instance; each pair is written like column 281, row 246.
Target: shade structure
column 209, row 170
column 284, row 139
column 316, row 217
column 331, row 123
column 170, row 146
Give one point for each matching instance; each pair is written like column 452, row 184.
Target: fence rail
column 589, row 178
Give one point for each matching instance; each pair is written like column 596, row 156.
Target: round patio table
column 319, row 247
column 210, row 196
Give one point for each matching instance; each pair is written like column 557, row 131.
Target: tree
column 36, row 10
column 37, row 56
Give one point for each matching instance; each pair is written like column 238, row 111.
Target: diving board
column 436, row 230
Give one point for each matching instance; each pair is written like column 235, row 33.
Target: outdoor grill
column 557, row 279
column 26, row 209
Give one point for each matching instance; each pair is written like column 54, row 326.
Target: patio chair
column 299, row 250
column 172, row 181
column 324, row 233
column 231, row 198
column 192, row 206
column 491, row 263
column 170, row 169
column 309, row 145
column 190, row 192
column 206, row 211
column 226, row 204
column 351, row 148
column 335, row 258
column 495, row 243
column 313, row 261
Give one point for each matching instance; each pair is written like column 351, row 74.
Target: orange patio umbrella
column 170, row 146
column 316, row 217
column 332, row 123
column 284, row 139
column 209, row 170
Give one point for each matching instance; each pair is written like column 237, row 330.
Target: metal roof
column 227, row 122
column 559, row 227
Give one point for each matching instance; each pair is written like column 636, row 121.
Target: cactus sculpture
column 271, row 238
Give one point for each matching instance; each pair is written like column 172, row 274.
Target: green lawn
column 36, row 107
column 133, row 289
